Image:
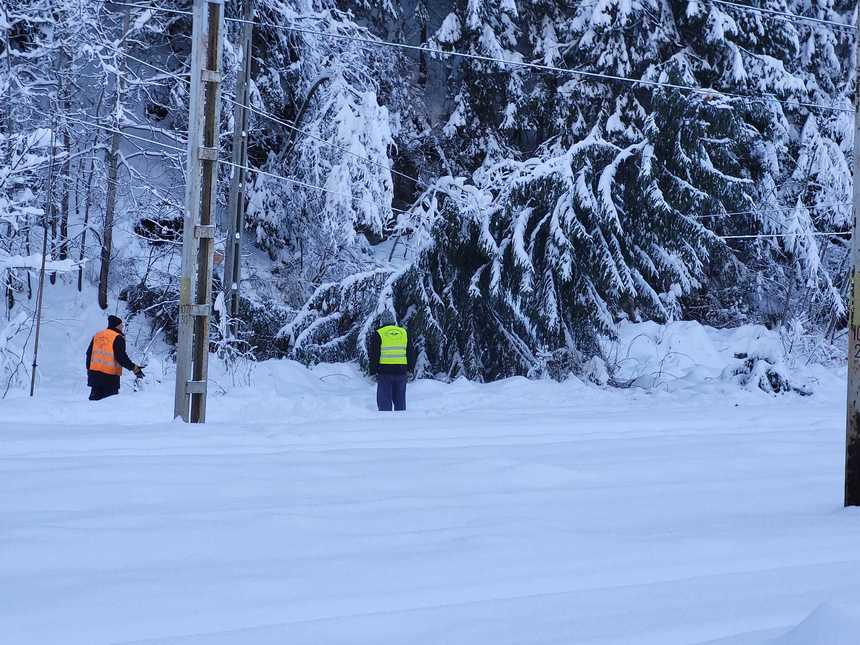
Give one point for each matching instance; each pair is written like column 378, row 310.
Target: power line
column 125, row 134
column 296, row 181
column 320, row 188
column 310, row 135
column 552, row 68
column 765, row 213
column 400, row 210
column 763, row 235
column 523, row 64
column 293, row 126
column 417, row 181
column 754, row 211
column 151, row 8
column 786, row 14
column 229, row 163
column 286, row 124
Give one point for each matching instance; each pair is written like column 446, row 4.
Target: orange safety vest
column 102, row 359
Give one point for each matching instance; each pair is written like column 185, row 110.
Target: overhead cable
column 754, row 211
column 229, row 163
column 786, row 14
column 398, row 210
column 298, row 182
column 286, row 124
column 292, row 126
column 125, row 134
column 761, row 235
column 796, row 17
column 551, row 68
column 522, row 64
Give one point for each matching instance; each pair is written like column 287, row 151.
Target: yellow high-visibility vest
column 392, row 348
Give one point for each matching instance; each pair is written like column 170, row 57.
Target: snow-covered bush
column 13, row 335
column 762, row 372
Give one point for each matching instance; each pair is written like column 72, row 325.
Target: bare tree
column 113, row 163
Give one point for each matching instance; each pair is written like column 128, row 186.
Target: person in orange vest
column 105, row 359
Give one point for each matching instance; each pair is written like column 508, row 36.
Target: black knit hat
column 114, row 321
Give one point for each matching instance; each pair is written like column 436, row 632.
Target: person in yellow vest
column 105, row 359
column 392, row 359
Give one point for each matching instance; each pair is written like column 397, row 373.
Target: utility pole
column 198, row 231
column 40, row 296
column 236, row 204
column 49, row 209
column 852, row 434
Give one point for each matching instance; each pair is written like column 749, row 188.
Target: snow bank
column 519, row 512
column 34, row 262
column 686, row 355
column 510, row 513
column 647, row 358
column 829, row 624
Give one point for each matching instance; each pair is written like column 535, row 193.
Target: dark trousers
column 391, row 390
column 99, row 392
column 102, row 385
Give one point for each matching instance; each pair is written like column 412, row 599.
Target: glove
column 138, row 372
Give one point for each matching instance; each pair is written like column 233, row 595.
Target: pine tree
column 483, row 120
column 622, row 210
column 341, row 141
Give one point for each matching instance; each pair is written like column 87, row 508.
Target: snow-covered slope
column 513, row 512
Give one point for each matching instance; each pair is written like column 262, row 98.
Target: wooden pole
column 852, row 433
column 41, row 292
column 195, row 285
column 236, row 204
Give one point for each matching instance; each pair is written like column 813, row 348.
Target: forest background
column 510, row 216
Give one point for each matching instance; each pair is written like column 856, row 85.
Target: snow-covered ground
column 508, row 513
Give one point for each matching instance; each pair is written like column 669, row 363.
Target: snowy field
column 514, row 512
column 509, row 513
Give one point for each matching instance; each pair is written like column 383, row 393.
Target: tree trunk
column 422, row 57
column 110, row 202
column 53, row 234
column 107, row 233
column 10, row 120
column 27, row 249
column 67, row 166
column 89, row 198
column 87, row 204
column 10, row 293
